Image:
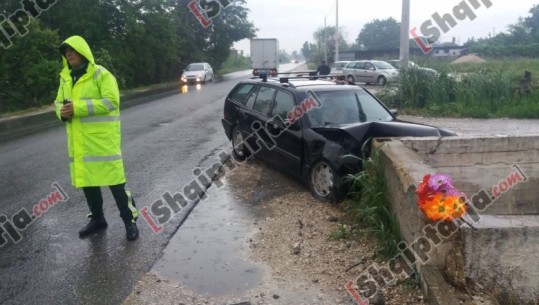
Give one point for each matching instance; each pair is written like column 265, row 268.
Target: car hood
column 390, row 72
column 193, row 73
column 363, row 131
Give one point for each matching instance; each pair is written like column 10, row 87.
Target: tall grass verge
column 370, row 209
column 479, row 91
column 235, row 63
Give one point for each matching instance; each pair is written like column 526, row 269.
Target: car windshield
column 195, row 67
column 382, row 65
column 346, row 107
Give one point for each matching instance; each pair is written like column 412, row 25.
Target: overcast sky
column 293, row 22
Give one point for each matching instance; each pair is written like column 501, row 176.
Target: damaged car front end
column 319, row 144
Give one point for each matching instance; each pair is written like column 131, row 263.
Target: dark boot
column 93, row 226
column 131, row 231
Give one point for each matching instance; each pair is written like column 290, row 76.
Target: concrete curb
column 12, row 128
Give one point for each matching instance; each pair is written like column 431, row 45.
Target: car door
column 358, row 71
column 369, row 73
column 287, row 153
column 255, row 119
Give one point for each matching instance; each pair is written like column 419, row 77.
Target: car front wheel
column 239, row 150
column 351, row 79
column 382, row 81
column 323, row 182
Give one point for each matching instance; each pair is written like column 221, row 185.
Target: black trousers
column 123, row 199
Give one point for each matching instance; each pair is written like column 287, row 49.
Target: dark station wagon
column 307, row 127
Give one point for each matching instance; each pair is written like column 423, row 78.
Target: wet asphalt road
column 163, row 141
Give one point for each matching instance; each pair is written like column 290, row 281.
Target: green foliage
column 235, row 63
column 140, row 42
column 29, row 70
column 341, row 233
column 468, row 90
column 308, row 51
column 522, row 39
column 380, row 34
column 370, row 209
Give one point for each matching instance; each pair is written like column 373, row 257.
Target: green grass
column 489, row 90
column 235, row 63
column 342, row 232
column 370, row 209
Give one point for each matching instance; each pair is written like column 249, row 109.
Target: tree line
column 521, row 39
column 141, row 42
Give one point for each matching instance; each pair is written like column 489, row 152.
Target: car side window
column 251, row 100
column 359, row 65
column 264, row 100
column 240, row 93
column 284, row 103
column 369, row 66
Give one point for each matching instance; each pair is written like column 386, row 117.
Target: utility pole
column 337, row 31
column 325, row 42
column 405, row 29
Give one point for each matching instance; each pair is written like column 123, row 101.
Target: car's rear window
column 240, row 93
column 346, row 107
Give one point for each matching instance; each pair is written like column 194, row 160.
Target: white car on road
column 196, row 73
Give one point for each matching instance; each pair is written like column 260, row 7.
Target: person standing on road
column 323, row 69
column 88, row 101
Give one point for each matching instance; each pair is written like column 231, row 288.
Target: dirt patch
column 301, row 239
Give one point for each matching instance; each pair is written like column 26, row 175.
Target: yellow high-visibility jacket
column 93, row 133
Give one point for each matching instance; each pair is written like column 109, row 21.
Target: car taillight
column 255, row 72
column 273, row 72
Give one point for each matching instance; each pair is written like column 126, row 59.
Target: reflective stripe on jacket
column 93, row 133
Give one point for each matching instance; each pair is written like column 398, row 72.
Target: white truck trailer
column 265, row 56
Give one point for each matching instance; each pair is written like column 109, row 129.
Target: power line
column 330, row 10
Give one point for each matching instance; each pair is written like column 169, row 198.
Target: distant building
column 449, row 49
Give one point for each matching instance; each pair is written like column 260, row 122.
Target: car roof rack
column 285, row 77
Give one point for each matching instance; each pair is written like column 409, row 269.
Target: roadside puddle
column 208, row 253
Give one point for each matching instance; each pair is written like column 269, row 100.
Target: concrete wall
column 500, row 254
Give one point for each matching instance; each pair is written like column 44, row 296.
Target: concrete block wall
column 502, row 254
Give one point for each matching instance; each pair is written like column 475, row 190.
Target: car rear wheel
column 382, row 81
column 239, row 150
column 351, row 79
column 323, row 182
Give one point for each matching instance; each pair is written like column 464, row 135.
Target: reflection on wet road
column 205, row 254
column 186, row 88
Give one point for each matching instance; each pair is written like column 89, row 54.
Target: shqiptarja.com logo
column 206, row 10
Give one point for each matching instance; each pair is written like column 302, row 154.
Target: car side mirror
column 394, row 112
